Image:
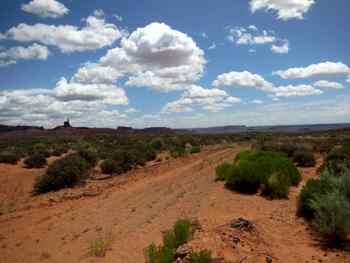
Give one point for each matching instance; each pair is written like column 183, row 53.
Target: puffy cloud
column 328, row 84
column 35, row 51
column 45, row 8
column 348, row 79
column 253, row 36
column 208, row 99
column 108, row 94
column 321, row 69
column 286, row 9
column 157, row 56
column 281, row 49
column 300, row 90
column 250, row 80
column 96, row 74
column 96, row 34
column 243, row 79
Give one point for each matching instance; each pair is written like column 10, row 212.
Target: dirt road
column 135, row 209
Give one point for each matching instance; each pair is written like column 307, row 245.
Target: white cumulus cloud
column 281, row 49
column 286, row 9
column 320, row 69
column 12, row 55
column 328, row 84
column 45, row 8
column 207, row 99
column 94, row 35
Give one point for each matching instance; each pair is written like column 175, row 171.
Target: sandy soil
column 134, row 209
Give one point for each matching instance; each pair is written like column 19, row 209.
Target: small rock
column 268, row 259
column 242, row 224
column 182, row 251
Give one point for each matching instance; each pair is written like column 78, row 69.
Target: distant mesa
column 66, row 124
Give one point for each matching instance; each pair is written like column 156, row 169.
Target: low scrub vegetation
column 195, row 149
column 180, row 233
column 63, row 173
column 37, row 160
column 99, row 246
column 304, row 158
column 251, row 171
column 203, row 256
column 9, row 157
column 326, row 201
column 108, row 166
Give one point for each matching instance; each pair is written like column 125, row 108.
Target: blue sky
column 174, row 63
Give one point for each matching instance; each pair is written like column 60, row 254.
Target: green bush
column 223, row 171
column 254, row 169
column 304, row 158
column 203, row 256
column 63, row 173
column 156, row 144
column 244, row 178
column 180, row 233
column 277, row 186
column 332, row 218
column 108, row 166
column 9, row 157
column 195, row 149
column 35, row 161
column 178, row 151
column 89, row 154
column 59, row 150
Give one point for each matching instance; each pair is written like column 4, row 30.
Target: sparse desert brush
column 108, row 166
column 304, row 158
column 63, row 173
column 59, row 150
column 178, row 151
column 156, row 144
column 332, row 217
column 100, row 246
column 203, row 256
column 9, row 157
column 178, row 235
column 37, row 160
column 89, row 154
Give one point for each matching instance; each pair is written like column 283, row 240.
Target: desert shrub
column 203, row 256
column 254, row 169
column 195, row 149
column 41, row 148
column 63, row 173
column 223, row 171
column 180, row 233
column 277, row 186
column 159, row 254
column 338, row 160
column 244, row 178
column 304, row 158
column 35, row 161
column 99, row 246
column 108, row 166
column 332, row 218
column 178, row 151
column 156, row 144
column 58, row 150
column 9, row 157
column 89, row 154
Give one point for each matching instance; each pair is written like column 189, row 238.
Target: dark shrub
column 59, row 150
column 63, row 173
column 195, row 149
column 108, row 166
column 9, row 157
column 89, row 154
column 42, row 149
column 203, row 256
column 223, row 171
column 35, row 161
column 156, row 144
column 244, row 178
column 178, row 151
column 304, row 158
